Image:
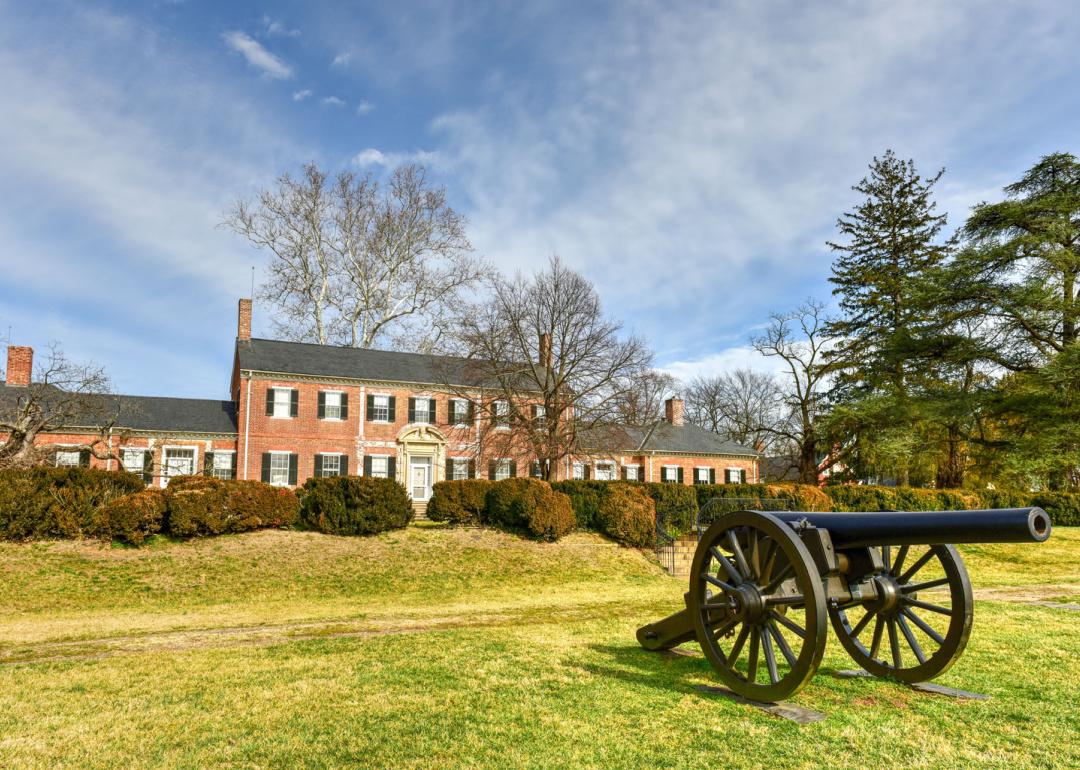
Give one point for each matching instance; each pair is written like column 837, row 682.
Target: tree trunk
column 950, row 471
column 808, row 463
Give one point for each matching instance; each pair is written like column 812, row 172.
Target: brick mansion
column 298, row 410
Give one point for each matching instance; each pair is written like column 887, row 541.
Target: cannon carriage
column 892, row 585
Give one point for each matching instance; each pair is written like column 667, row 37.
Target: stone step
column 419, row 510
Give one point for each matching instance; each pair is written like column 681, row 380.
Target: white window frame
column 326, row 404
column 275, row 454
column 636, row 469
column 337, row 456
column 277, row 402
column 501, row 413
column 727, row 475
column 231, row 474
column 669, row 474
column 463, row 412
column 609, row 465
column 459, row 468
column 577, row 471
column 427, row 410
column 165, row 474
column 375, row 408
column 124, row 450
column 697, row 474
column 502, row 462
column 67, row 449
column 385, row 472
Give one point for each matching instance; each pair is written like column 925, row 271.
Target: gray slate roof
column 260, row 355
column 662, row 436
column 152, row 413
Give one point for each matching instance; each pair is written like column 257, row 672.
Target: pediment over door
column 421, row 434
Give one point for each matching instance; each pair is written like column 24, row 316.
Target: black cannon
column 896, row 592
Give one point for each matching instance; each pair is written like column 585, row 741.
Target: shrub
column 796, row 497
column 132, row 518
column 585, row 499
column 627, row 515
column 354, row 505
column 209, row 506
column 530, row 507
column 459, row 503
column 676, row 507
column 1063, row 507
column 44, row 502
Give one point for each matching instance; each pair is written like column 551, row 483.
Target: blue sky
column 689, row 158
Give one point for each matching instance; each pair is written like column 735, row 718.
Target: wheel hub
column 747, row 603
column 888, row 594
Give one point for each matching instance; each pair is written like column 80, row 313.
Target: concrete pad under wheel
column 936, row 689
column 789, row 711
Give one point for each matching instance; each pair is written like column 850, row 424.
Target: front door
column 420, row 478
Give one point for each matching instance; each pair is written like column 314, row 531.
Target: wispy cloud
column 364, row 107
column 372, row 157
column 299, row 96
column 257, row 56
column 333, row 101
column 342, row 59
column 722, row 361
column 275, row 28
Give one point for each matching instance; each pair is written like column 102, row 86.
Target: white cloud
column 275, row 28
column 723, row 362
column 257, row 56
column 333, row 101
column 373, row 157
column 299, row 96
column 342, row 59
column 364, row 107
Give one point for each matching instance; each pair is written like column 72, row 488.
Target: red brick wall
column 20, row 365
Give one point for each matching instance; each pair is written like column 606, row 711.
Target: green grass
column 436, row 648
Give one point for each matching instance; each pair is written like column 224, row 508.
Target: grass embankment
column 435, row 648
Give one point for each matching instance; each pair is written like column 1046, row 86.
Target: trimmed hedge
column 41, row 502
column 530, row 507
column 459, row 503
column 676, row 506
column 585, row 497
column 800, row 497
column 200, row 506
column 354, row 505
column 135, row 517
column 627, row 515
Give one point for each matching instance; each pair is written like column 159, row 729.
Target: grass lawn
column 436, row 648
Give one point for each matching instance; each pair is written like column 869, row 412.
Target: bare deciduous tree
column 62, row 394
column 646, row 391
column 556, row 371
column 799, row 339
column 744, row 405
column 353, row 262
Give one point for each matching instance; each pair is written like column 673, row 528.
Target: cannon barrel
column 857, row 530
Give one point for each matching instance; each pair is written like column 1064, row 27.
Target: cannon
column 891, row 583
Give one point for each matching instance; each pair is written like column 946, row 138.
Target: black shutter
column 470, row 411
column 449, row 476
column 322, row 408
column 412, row 409
column 148, row 466
column 393, row 408
column 712, row 475
column 534, row 411
column 318, row 463
column 294, row 461
column 492, row 464
column 232, row 465
column 294, row 403
column 679, row 474
column 513, row 469
column 343, row 465
column 266, row 468
column 269, row 402
column 208, row 464
column 84, row 458
column 624, row 476
column 641, row 473
column 472, row 469
column 370, row 406
column 344, row 406
column 588, row 470
column 534, row 469
column 742, row 476
column 367, row 462
column 431, row 413
column 391, row 467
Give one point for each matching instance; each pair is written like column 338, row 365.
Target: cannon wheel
column 758, row 605
column 913, row 638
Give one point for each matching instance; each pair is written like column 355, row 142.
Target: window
column 503, row 470
column 502, row 414
column 631, row 472
column 177, row 461
column 380, row 467
column 279, row 469
column 702, row 476
column 331, row 465
column 331, row 406
column 459, row 468
column 735, row 476
column 68, row 458
column 133, row 459
column 579, row 471
column 281, row 402
column 539, row 412
column 380, row 409
column 670, row 474
column 459, row 411
column 422, row 410
column 224, row 465
column 605, row 471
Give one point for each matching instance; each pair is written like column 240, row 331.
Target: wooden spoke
column 912, row 587
column 918, row 565
column 923, row 625
column 886, row 557
column 754, row 552
column 736, row 648
column 774, row 601
column 728, row 566
column 788, row 623
column 717, row 582
column 740, row 557
column 769, row 561
column 770, row 654
column 901, row 555
column 751, row 665
column 720, row 631
column 894, row 643
column 782, row 643
column 879, row 626
column 928, row 607
column 783, row 575
column 716, row 606
column 862, row 624
column 910, row 637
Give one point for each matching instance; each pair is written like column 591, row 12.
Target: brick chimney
column 673, row 411
column 20, row 365
column 243, row 322
column 545, row 350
